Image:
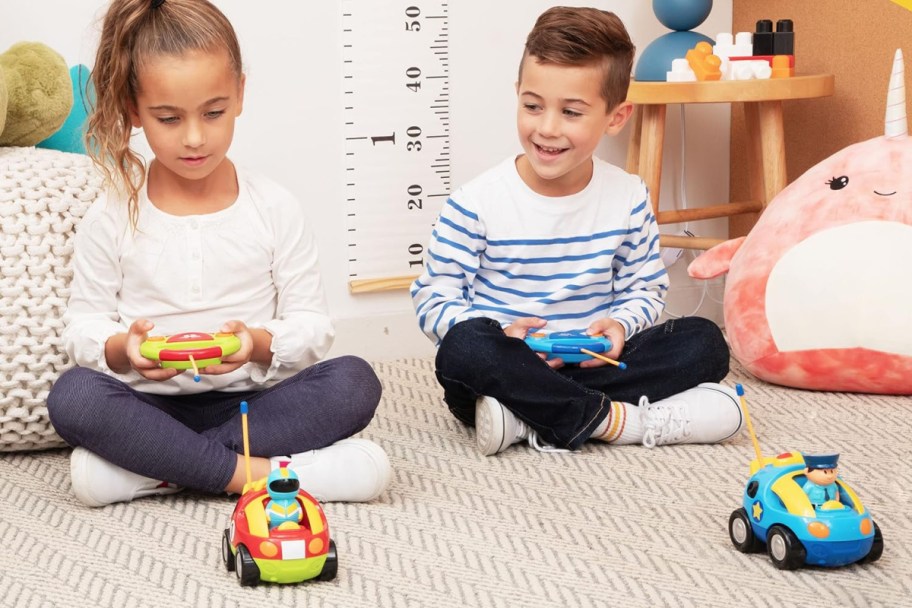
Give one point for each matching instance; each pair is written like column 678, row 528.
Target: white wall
column 291, row 128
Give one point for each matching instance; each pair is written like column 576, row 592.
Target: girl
column 191, row 243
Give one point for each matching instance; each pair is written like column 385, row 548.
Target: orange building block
column 781, row 67
column 704, row 64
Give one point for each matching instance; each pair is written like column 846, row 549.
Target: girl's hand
column 236, row 360
column 520, row 329
column 612, row 330
column 147, row 368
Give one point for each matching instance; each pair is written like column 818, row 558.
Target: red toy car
column 289, row 553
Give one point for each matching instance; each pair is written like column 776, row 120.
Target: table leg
column 772, row 135
column 652, row 138
column 765, row 157
column 633, row 147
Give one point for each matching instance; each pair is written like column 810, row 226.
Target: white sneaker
column 707, row 413
column 96, row 482
column 351, row 470
column 497, row 428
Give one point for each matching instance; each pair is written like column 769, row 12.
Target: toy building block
column 680, row 72
column 728, row 47
column 763, row 38
column 781, row 68
column 766, row 58
column 784, row 38
column 704, row 64
column 738, row 46
column 748, row 70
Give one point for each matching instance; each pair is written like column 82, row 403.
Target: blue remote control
column 566, row 345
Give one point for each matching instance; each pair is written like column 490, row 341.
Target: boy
column 556, row 239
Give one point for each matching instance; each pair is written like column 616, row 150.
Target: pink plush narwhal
column 819, row 294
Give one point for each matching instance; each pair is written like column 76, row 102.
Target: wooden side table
column 762, row 101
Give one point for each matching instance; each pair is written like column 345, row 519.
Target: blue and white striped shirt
column 502, row 251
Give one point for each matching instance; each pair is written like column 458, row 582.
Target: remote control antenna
column 619, row 364
column 196, row 371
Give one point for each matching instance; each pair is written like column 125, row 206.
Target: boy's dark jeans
column 565, row 406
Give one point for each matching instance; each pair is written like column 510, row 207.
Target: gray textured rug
column 603, row 527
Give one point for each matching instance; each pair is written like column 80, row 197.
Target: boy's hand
column 235, row 360
column 147, row 368
column 520, row 329
column 612, row 330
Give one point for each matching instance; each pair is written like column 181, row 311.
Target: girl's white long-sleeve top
column 255, row 261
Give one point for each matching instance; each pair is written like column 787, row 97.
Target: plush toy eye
column 838, row 183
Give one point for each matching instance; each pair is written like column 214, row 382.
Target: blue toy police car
column 777, row 513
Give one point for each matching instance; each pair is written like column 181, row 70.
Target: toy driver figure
column 282, row 486
column 821, row 471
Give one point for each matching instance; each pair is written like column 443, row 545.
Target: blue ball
column 681, row 15
column 70, row 137
column 655, row 60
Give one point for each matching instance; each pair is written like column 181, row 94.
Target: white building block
column 747, row 69
column 740, row 45
column 680, row 72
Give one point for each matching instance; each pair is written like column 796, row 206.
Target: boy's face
column 186, row 106
column 561, row 117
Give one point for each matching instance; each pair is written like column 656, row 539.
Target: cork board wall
column 854, row 40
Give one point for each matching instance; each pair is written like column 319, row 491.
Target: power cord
column 682, row 189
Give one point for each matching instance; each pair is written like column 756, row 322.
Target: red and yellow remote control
column 182, row 350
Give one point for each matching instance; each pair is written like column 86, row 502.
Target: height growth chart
column 397, row 135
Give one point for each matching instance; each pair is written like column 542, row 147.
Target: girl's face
column 561, row 117
column 186, row 106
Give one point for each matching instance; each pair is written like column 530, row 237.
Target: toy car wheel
column 247, row 571
column 741, row 532
column 331, row 567
column 784, row 549
column 227, row 555
column 876, row 548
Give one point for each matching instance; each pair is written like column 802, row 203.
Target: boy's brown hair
column 584, row 36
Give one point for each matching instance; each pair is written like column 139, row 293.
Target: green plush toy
column 36, row 93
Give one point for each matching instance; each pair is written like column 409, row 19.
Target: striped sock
column 622, row 426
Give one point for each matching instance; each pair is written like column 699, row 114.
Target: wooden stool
column 762, row 101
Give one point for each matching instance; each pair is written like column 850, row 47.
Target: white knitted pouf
column 43, row 194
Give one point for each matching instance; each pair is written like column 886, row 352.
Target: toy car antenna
column 750, row 427
column 246, row 441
